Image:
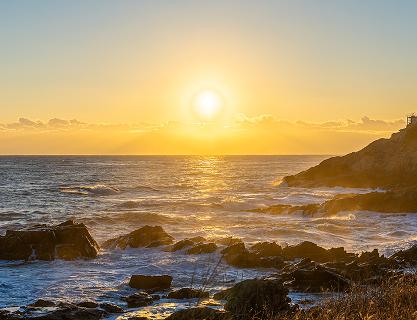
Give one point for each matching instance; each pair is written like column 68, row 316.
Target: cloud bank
column 263, row 134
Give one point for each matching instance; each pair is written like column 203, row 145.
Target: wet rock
column 41, row 303
column 260, row 298
column 188, row 293
column 138, row 299
column 307, row 249
column 317, row 279
column 138, row 318
column 406, row 257
column 238, row 256
column 150, row 283
column 202, row 248
column 88, row 304
column 67, row 241
column 184, row 244
column 146, row 236
column 111, row 308
column 65, row 311
column 199, row 314
column 266, row 249
column 228, row 241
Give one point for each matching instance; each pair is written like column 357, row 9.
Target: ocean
column 187, row 196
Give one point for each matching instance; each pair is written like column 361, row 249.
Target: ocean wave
column 97, row 190
column 146, row 188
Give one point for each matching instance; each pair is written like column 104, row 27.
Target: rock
column 138, row 318
column 139, row 299
column 266, row 249
column 228, row 241
column 199, row 314
column 317, row 279
column 307, row 249
column 111, row 308
column 383, row 163
column 406, row 257
column 238, row 256
column 202, row 248
column 146, row 236
column 188, row 293
column 184, row 243
column 151, row 283
column 88, row 304
column 67, row 241
column 41, row 303
column 258, row 298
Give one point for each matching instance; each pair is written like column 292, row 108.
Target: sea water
column 187, row 196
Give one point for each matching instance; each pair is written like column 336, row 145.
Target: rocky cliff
column 384, row 163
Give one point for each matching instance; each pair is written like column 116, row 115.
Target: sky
column 294, row 77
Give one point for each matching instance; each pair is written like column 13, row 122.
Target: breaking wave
column 97, row 190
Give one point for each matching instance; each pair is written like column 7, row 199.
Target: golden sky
column 288, row 74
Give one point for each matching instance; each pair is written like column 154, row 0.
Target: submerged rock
column 200, row 314
column 202, row 248
column 68, row 241
column 146, row 236
column 188, row 293
column 260, row 298
column 151, row 283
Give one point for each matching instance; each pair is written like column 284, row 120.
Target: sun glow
column 207, row 104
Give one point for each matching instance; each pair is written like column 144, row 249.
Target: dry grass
column 396, row 299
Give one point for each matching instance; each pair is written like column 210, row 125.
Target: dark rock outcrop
column 406, row 257
column 150, row 283
column 307, row 276
column 238, row 256
column 202, row 248
column 257, row 297
column 139, row 299
column 68, row 241
column 144, row 237
column 111, row 308
column 307, row 249
column 188, row 293
column 182, row 244
column 199, row 314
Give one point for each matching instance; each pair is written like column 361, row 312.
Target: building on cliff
column 411, row 119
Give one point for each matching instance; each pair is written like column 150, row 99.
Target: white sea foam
column 97, row 189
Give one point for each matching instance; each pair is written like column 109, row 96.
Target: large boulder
column 68, row 241
column 146, row 236
column 150, row 283
column 260, row 298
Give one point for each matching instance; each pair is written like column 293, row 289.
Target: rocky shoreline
column 305, row 267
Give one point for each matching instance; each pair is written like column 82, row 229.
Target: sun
column 207, row 104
